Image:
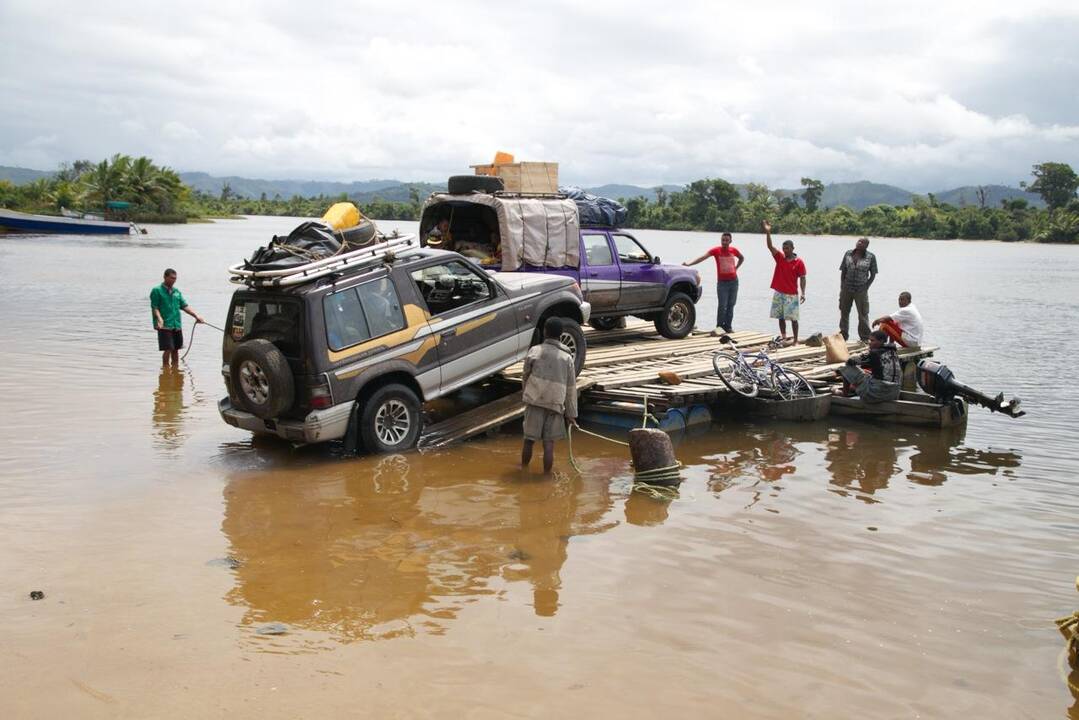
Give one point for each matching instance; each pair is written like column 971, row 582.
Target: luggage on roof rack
column 596, row 210
column 305, row 268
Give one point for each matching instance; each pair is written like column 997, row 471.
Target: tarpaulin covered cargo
column 596, row 210
column 537, row 231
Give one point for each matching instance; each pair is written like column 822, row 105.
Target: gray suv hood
column 518, row 282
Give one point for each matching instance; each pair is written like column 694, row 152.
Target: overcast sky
column 925, row 95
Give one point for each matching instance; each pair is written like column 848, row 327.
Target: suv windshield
column 270, row 319
column 450, row 285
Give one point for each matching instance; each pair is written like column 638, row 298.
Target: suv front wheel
column 573, row 338
column 677, row 318
column 391, row 420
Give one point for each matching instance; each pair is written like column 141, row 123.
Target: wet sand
column 837, row 569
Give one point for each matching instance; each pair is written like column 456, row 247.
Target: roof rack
column 376, row 252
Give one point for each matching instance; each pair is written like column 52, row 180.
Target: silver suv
column 354, row 347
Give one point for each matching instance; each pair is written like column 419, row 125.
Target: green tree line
column 717, row 205
column 158, row 195
column 155, row 193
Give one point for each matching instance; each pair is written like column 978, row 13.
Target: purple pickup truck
column 514, row 232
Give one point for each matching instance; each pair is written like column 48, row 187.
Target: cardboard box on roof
column 522, row 177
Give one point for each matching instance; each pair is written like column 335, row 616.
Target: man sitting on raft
column 905, row 325
column 875, row 376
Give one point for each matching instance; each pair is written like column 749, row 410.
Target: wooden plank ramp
column 478, row 420
column 622, row 371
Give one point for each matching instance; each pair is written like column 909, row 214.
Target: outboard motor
column 936, row 379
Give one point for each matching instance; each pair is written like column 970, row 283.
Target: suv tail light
column 319, row 396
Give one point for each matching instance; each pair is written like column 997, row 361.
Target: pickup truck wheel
column 677, row 318
column 261, row 378
column 390, row 421
column 605, row 323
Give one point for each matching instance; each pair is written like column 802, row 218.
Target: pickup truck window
column 451, row 285
column 597, row 250
column 630, row 251
column 358, row 314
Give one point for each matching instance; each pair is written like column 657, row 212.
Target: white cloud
column 176, row 130
column 920, row 95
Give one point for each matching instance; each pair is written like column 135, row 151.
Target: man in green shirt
column 166, row 302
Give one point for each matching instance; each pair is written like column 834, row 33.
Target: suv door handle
column 593, row 274
column 449, row 332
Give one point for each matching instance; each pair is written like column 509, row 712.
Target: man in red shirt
column 728, row 260
column 789, row 274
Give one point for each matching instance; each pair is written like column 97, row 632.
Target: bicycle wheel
column 734, row 373
column 790, row 385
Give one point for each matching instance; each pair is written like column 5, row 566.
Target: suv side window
column 597, row 251
column 450, row 285
column 361, row 313
column 630, row 251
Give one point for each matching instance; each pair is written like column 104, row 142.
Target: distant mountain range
column 855, row 195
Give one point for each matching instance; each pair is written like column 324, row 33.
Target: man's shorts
column 543, row 424
column 168, row 339
column 785, row 307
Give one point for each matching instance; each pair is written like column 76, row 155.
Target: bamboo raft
column 621, row 376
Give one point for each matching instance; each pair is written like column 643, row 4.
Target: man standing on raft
column 790, row 273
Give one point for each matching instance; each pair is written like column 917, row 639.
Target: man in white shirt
column 905, row 325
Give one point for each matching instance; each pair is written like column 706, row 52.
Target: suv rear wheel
column 391, row 420
column 677, row 318
column 262, row 379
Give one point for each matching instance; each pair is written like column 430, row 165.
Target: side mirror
column 656, row 260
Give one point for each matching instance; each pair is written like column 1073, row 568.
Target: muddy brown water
column 836, row 569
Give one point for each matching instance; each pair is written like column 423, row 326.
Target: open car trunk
column 507, row 231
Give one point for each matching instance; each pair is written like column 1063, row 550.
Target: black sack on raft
column 595, row 210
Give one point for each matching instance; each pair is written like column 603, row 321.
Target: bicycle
column 747, row 373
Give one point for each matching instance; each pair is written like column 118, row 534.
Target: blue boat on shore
column 12, row 221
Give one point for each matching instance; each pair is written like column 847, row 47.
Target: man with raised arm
column 789, row 275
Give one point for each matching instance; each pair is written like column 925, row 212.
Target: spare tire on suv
column 464, row 184
column 261, row 378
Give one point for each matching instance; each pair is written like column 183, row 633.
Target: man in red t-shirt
column 789, row 274
column 728, row 260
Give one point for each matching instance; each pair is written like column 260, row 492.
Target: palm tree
column 143, row 182
column 106, row 180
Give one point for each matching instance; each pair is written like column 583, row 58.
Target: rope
column 645, row 478
column 191, row 344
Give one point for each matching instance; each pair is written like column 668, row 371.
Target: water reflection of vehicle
column 365, row 550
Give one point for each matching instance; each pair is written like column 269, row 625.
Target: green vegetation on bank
column 717, row 205
column 157, row 194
